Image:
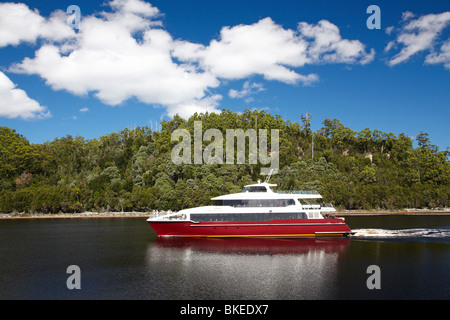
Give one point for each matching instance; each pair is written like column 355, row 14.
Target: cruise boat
column 257, row 211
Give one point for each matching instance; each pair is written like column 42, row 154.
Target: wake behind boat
column 257, row 211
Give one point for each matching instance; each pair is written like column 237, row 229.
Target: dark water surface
column 121, row 258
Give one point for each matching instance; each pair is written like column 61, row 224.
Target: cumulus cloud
column 420, row 34
column 109, row 61
column 266, row 48
column 126, row 53
column 18, row 23
column 135, row 6
column 261, row 48
column 15, row 103
column 327, row 45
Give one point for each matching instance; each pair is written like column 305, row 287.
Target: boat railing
column 298, row 192
column 170, row 216
column 316, row 205
column 311, row 206
column 327, row 205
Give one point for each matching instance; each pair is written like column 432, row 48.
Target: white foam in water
column 403, row 233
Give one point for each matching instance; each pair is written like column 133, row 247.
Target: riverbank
column 419, row 212
column 77, row 215
column 343, row 213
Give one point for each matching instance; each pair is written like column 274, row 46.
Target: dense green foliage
column 132, row 170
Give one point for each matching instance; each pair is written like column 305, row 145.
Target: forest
column 132, row 170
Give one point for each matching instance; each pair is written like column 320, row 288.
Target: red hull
column 298, row 228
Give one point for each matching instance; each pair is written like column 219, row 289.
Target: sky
column 129, row 63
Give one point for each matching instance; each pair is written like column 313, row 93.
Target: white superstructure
column 260, row 200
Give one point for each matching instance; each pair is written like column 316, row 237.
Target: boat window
column 255, row 189
column 314, row 214
column 259, row 203
column 309, row 201
column 230, row 217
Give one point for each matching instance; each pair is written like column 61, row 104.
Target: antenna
column 268, row 176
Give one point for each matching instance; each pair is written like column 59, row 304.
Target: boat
column 257, row 211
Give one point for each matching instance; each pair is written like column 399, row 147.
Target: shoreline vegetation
column 343, row 213
column 133, row 170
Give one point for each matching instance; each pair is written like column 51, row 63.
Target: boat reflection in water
column 246, row 268
column 254, row 245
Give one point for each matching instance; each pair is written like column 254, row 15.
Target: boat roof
column 261, row 184
column 269, row 193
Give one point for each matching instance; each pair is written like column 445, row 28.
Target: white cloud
column 389, row 46
column 186, row 109
column 248, row 89
column 20, row 24
column 244, row 50
column 389, row 30
column 135, row 6
column 407, row 15
column 327, row 45
column 125, row 52
column 309, row 79
column 443, row 56
column 84, row 109
column 15, row 103
column 420, row 34
column 106, row 59
column 268, row 49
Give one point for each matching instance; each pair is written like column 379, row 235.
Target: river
column 122, row 258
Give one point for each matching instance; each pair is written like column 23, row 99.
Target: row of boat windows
column 221, row 217
column 255, row 189
column 256, row 203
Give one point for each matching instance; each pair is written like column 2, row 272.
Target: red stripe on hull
column 275, row 228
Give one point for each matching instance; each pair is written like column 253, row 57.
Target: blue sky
column 133, row 63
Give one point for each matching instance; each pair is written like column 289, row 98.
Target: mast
column 268, row 176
